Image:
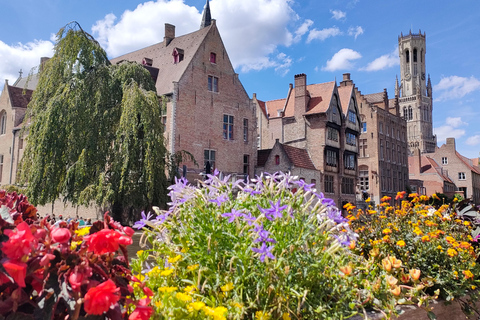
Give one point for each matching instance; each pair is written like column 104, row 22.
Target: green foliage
column 96, row 133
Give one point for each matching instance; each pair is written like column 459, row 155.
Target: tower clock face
column 407, row 76
column 423, row 75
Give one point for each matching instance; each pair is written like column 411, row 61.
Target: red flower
column 141, row 313
column 78, row 277
column 128, row 231
column 46, row 259
column 20, row 242
column 60, row 235
column 106, row 240
column 17, row 270
column 99, row 299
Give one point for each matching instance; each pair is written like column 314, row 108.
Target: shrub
column 61, row 272
column 254, row 250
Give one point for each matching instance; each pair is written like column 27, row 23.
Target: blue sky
column 269, row 41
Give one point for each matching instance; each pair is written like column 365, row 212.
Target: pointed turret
column 429, row 87
column 397, row 87
column 207, row 17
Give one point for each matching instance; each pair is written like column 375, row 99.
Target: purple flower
column 220, row 199
column 336, row 215
column 249, row 218
column 264, row 252
column 263, row 237
column 143, row 221
column 345, row 241
column 251, row 191
column 275, row 211
column 303, row 185
column 162, row 217
column 232, row 215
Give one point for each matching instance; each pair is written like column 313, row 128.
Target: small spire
column 20, row 72
column 207, row 17
column 397, row 87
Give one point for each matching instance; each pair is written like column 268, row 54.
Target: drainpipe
column 14, row 131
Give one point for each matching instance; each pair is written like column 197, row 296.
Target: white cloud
column 284, row 63
column 455, row 87
column 342, row 60
column 252, row 41
column 355, row 31
column 302, row 30
column 386, row 61
column 473, row 140
column 22, row 56
column 450, row 129
column 323, row 34
column 338, row 14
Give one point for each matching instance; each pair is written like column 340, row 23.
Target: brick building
column 383, row 151
column 208, row 112
column 318, row 120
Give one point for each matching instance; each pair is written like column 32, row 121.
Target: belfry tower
column 415, row 93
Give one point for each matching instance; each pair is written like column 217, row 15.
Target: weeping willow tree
column 96, row 132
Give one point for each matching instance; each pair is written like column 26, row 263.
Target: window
column 177, row 55
column 352, row 116
column 444, row 160
column 277, row 160
column 331, row 158
column 349, row 160
column 410, row 113
column 364, row 127
column 387, row 131
column 347, row 186
column 381, row 150
column 209, row 160
column 245, row 130
column 213, row 57
column 20, row 143
column 415, row 55
column 314, row 182
column 227, row 127
column 405, row 114
column 407, row 56
column 332, row 134
column 461, row 176
column 212, row 84
column 329, row 184
column 364, row 180
column 388, row 151
column 380, row 127
column 363, row 148
column 351, row 139
column 246, row 164
column 1, row 167
column 3, row 123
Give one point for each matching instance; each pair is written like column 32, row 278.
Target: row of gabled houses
column 350, row 145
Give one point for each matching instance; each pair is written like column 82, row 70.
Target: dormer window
column 147, row 62
column 177, row 55
column 213, row 57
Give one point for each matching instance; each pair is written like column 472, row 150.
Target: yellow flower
column 190, row 289
column 166, row 272
column 368, row 200
column 184, row 297
column 468, row 274
column 396, row 263
column 228, row 287
column 425, row 239
column 414, row 273
column 197, row 305
column 260, row 315
column 401, row 243
column 286, row 316
column 396, row 291
column 386, row 231
column 83, row 231
column 175, row 259
column 387, row 265
column 452, row 252
column 219, row 313
column 193, row 267
column 155, row 270
column 74, row 244
column 167, row 289
column 139, row 252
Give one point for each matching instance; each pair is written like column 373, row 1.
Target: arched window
column 407, row 56
column 405, row 113
column 415, row 55
column 410, row 113
column 3, row 123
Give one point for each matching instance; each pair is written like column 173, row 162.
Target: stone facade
column 415, row 93
column 383, row 152
column 323, row 121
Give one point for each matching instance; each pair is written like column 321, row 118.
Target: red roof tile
column 298, row 157
column 345, row 93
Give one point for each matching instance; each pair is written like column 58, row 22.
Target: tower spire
column 207, row 17
column 397, row 87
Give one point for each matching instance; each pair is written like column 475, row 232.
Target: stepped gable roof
column 298, row 157
column 468, row 162
column 19, row 97
column 162, row 58
column 272, row 106
column 262, row 156
column 345, row 94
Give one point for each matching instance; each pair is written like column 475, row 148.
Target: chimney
column 451, row 143
column 346, row 80
column 417, row 163
column 301, row 96
column 169, row 33
column 42, row 62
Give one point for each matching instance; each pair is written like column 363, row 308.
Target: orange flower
column 414, row 273
column 401, row 243
column 396, row 263
column 452, row 252
column 425, row 239
column 386, row 231
column 468, row 274
column 385, row 199
column 405, row 278
column 352, row 245
column 400, row 195
column 347, row 270
column 396, row 291
column 387, row 265
column 391, row 280
column 435, row 196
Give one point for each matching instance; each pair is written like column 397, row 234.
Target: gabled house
column 434, row 177
column 311, row 118
column 208, row 112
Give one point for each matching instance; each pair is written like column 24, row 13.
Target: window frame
column 213, row 58
column 228, row 122
column 212, row 84
column 209, row 158
column 462, row 176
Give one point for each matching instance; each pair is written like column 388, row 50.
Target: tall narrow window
column 349, row 161
column 3, row 123
column 407, row 56
column 364, row 180
column 329, row 184
column 444, row 160
column 246, row 164
column 277, row 160
column 1, row 167
column 227, row 127
column 245, row 130
column 415, row 55
column 352, row 116
column 213, row 57
column 364, row 127
column 351, row 139
column 405, row 114
column 331, row 158
column 209, row 160
column 212, row 84
column 410, row 113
